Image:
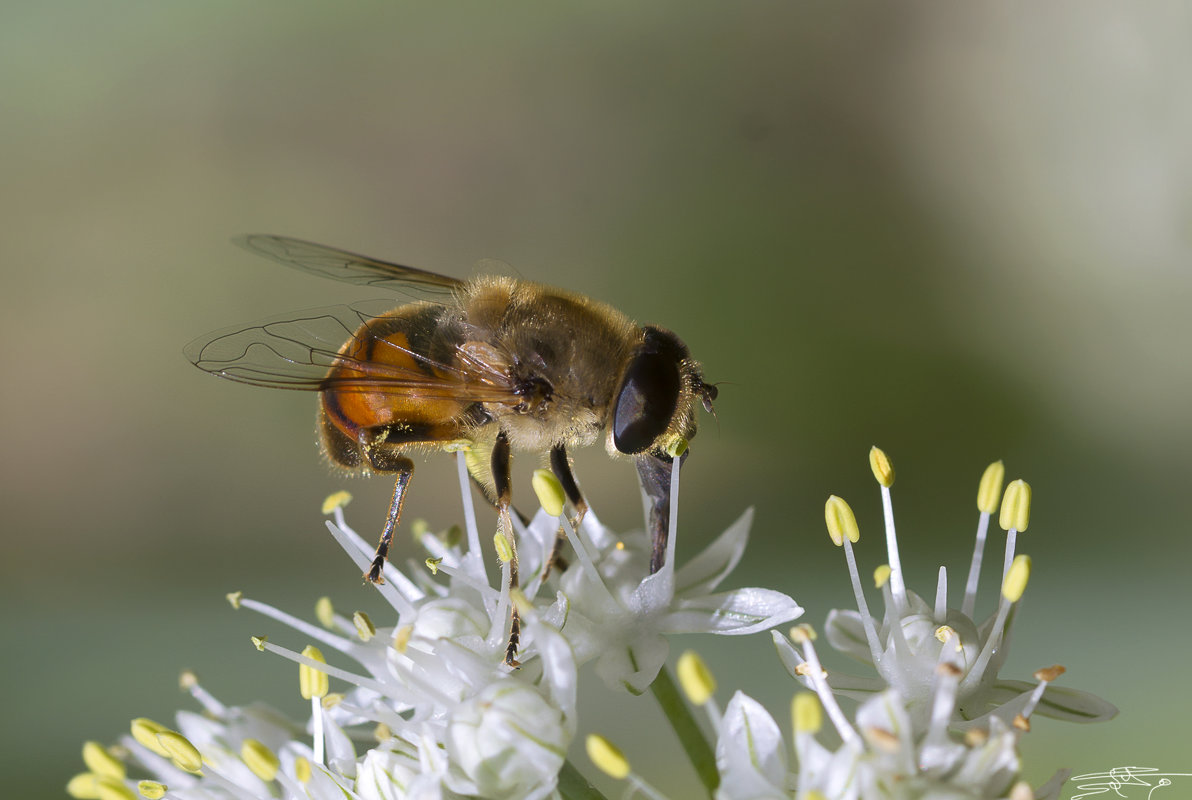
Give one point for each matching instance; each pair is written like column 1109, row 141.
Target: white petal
column 750, row 753
column 845, row 631
column 633, row 665
column 1059, row 702
column 735, row 613
column 704, row 573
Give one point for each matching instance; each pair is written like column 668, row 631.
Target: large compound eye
column 647, row 400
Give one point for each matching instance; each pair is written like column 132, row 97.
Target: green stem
column 574, row 786
column 690, row 736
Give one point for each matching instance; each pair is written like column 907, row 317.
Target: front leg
column 502, row 466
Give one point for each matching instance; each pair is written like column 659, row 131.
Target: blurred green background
column 958, row 231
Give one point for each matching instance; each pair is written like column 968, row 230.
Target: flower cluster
column 935, row 722
column 429, row 709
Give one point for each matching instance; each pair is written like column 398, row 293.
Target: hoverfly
column 491, row 364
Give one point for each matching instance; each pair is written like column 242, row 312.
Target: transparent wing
column 298, row 351
column 341, row 265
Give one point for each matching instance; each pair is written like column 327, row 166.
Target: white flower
column 620, row 615
column 913, row 637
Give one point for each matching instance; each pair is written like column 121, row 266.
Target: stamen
column 799, row 634
column 101, row 762
column 807, row 715
column 179, row 750
column 365, row 683
column 585, row 559
column 152, row 790
column 313, row 631
column 699, row 684
column 312, row 682
column 401, row 601
column 549, row 490
column 189, row 682
column 883, row 471
column 1044, row 677
column 325, row 612
column 607, row 757
column 1012, row 588
column 145, row 730
column 672, row 536
column 260, row 759
column 1016, row 513
column 988, row 493
column 612, row 762
column 364, row 626
column 476, row 563
column 941, row 596
column 842, row 527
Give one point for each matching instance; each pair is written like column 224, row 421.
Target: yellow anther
column 841, row 522
column 504, row 551
column 881, row 575
column 989, row 491
column 1049, row 674
column 325, row 612
column 1016, row 578
column 84, row 786
column 549, row 490
column 433, row 565
column 260, row 759
column 302, row 769
column 696, row 679
column 101, row 762
column 187, row 680
column 944, row 633
column 676, row 447
column 812, row 794
column 607, row 757
column 419, row 528
column 313, row 682
column 883, row 470
column 259, row 642
column 975, row 737
column 1016, row 506
column 382, row 733
column 807, row 715
column 453, row 536
column 336, row 500
column 1021, row 791
column 179, row 749
column 364, row 626
column 1021, row 723
column 234, row 599
column 145, row 730
column 112, row 789
column 401, row 638
column 803, row 632
column 152, row 790
column 330, row 701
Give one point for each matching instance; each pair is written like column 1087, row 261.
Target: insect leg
column 503, row 486
column 561, row 466
column 655, row 474
column 405, row 470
